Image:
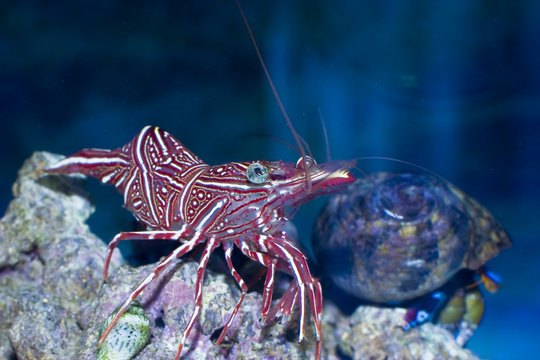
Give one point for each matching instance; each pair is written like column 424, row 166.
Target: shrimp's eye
column 305, row 162
column 257, row 173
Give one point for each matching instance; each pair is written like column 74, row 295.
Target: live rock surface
column 53, row 299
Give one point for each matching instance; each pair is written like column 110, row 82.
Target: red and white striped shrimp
column 179, row 197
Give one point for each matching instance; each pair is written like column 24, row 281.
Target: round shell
column 393, row 237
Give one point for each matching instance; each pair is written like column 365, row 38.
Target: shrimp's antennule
column 296, row 136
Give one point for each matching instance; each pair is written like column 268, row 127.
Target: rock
column 53, row 300
column 50, row 264
column 42, row 328
column 375, row 333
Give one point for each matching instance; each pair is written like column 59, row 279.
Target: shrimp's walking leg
column 183, row 233
column 210, row 247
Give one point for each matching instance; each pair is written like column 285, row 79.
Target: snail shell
column 128, row 336
column 397, row 236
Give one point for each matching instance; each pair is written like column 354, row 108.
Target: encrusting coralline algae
column 53, row 299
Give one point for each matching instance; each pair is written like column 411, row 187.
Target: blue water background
column 453, row 86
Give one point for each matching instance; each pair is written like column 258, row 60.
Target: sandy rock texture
column 53, row 299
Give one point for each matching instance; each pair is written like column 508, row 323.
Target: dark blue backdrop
column 453, row 86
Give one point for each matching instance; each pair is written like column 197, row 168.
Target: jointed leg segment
column 183, row 233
